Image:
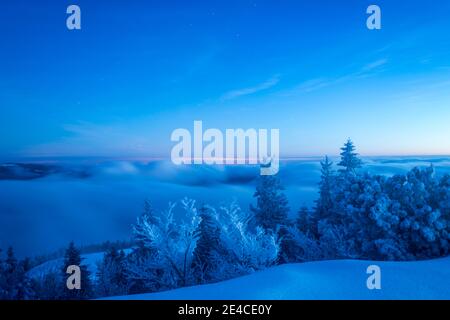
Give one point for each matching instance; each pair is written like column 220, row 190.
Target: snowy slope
column 344, row 279
column 56, row 265
column 90, row 260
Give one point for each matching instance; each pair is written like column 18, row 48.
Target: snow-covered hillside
column 344, row 279
column 89, row 259
column 56, row 265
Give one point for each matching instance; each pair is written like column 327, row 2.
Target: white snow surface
column 335, row 280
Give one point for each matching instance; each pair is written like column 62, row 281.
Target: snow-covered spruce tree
column 172, row 243
column 327, row 223
column 403, row 217
column 304, row 221
column 271, row 213
column 145, row 273
column 271, row 208
column 349, row 158
column 419, row 199
column 354, row 217
column 344, row 207
column 73, row 257
column 14, row 283
column 2, row 278
column 48, row 286
column 323, row 211
column 327, row 179
column 444, row 209
column 8, row 277
column 372, row 221
column 208, row 246
column 367, row 216
column 12, row 279
column 111, row 274
column 25, row 289
column 360, row 223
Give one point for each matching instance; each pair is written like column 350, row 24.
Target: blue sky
column 139, row 69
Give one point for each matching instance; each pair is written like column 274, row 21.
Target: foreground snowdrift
column 344, row 279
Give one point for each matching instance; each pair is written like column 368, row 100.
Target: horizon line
column 55, row 158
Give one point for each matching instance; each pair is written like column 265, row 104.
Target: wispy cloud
column 374, row 65
column 320, row 83
column 251, row 90
column 313, row 85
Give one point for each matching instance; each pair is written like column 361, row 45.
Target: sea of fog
column 38, row 216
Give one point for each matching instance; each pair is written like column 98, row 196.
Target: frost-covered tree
column 172, row 241
column 12, row 279
column 48, row 286
column 402, row 217
column 148, row 214
column 302, row 246
column 420, row 201
column 443, row 193
column 145, row 273
column 349, row 158
column 203, row 245
column 324, row 203
column 335, row 242
column 14, row 282
column 371, row 220
column 25, row 290
column 271, row 208
column 208, row 246
column 73, row 257
column 304, row 221
column 290, row 250
column 247, row 249
column 9, row 279
column 111, row 274
column 2, row 278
